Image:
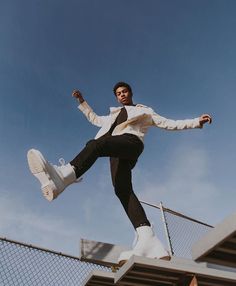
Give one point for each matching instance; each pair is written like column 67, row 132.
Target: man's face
column 124, row 96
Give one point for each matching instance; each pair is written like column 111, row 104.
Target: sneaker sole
column 39, row 170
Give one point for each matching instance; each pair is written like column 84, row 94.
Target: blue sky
column 179, row 57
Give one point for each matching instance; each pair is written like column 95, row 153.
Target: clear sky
column 179, row 57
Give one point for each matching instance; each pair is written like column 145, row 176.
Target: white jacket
column 140, row 118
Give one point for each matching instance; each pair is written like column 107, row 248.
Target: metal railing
column 181, row 231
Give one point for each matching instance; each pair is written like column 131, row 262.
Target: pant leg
column 124, row 146
column 124, row 150
column 121, row 171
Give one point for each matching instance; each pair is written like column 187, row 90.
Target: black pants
column 123, row 151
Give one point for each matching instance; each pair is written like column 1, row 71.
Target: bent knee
column 91, row 143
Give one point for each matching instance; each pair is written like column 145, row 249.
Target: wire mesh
column 183, row 233
column 22, row 265
column 180, row 230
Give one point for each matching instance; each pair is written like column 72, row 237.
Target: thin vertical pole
column 166, row 229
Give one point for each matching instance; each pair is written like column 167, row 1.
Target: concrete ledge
column 218, row 246
column 144, row 271
column 141, row 271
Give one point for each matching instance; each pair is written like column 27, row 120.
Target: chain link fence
column 23, row 265
column 181, row 231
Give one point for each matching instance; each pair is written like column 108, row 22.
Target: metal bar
column 166, row 229
column 176, row 213
column 150, row 205
column 4, row 239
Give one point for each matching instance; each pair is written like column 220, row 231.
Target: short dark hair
column 120, row 84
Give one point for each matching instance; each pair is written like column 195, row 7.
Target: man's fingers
column 76, row 93
column 207, row 118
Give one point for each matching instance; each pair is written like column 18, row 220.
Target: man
column 121, row 138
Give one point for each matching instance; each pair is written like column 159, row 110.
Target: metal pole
column 166, row 229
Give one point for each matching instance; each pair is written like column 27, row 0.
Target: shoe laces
column 63, row 163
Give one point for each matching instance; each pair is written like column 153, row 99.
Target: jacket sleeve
column 91, row 115
column 169, row 124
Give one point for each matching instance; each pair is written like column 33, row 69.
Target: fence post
column 166, row 230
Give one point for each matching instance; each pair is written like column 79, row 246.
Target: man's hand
column 77, row 94
column 204, row 118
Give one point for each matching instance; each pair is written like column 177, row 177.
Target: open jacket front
column 140, row 118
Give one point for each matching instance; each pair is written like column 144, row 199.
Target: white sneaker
column 147, row 245
column 54, row 179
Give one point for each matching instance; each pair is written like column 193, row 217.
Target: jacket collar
column 116, row 109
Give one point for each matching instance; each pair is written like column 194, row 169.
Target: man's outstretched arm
column 87, row 110
column 170, row 124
